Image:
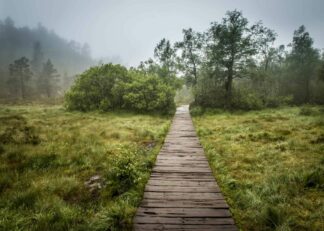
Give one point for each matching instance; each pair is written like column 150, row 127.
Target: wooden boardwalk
column 182, row 193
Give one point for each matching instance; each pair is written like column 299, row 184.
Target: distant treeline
column 36, row 62
column 232, row 65
column 235, row 64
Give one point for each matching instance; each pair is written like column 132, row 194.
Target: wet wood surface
column 182, row 193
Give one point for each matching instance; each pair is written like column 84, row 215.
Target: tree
column 165, row 55
column 230, row 49
column 265, row 38
column 48, row 79
column 19, row 75
column 38, row 58
column 321, row 69
column 191, row 52
column 302, row 63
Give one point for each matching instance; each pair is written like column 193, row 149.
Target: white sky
column 130, row 29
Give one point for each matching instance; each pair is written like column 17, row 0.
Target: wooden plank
column 183, row 196
column 158, row 203
column 182, row 227
column 189, row 183
column 196, row 189
column 184, row 212
column 182, row 193
column 183, row 220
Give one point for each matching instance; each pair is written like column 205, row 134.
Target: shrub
column 123, row 174
column 111, row 87
column 196, row 110
column 148, row 93
column 95, row 88
column 114, row 218
column 245, row 100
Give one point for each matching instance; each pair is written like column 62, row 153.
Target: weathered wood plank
column 182, row 193
column 189, row 183
column 158, row 203
column 184, row 212
column 183, row 196
column 199, row 227
column 182, row 220
column 195, row 189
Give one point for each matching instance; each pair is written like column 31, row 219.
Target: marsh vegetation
column 74, row 171
column 269, row 165
column 78, row 137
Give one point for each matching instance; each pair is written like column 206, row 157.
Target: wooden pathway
column 182, row 193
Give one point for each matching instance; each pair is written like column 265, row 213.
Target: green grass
column 269, row 165
column 74, row 171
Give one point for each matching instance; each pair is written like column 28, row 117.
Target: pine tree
column 20, row 73
column 48, row 79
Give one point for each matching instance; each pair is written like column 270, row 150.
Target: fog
column 127, row 31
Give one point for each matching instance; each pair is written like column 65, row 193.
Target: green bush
column 148, row 93
column 196, row 110
column 124, row 172
column 109, row 87
column 245, row 100
column 96, row 88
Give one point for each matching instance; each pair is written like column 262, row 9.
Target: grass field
column 74, row 171
column 269, row 165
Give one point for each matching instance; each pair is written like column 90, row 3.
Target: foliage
column 302, row 64
column 269, row 165
column 148, row 93
column 235, row 65
column 20, row 73
column 48, row 79
column 110, row 87
column 97, row 88
column 230, row 49
column 44, row 185
column 190, row 59
column 165, row 55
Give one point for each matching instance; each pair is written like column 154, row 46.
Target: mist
column 127, row 31
column 150, row 115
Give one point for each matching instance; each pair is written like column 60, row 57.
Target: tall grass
column 74, row 171
column 269, row 164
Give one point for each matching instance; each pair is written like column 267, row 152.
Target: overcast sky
column 130, row 29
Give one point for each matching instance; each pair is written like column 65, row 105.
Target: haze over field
column 89, row 92
column 127, row 31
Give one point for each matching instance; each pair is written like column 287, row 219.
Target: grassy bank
column 74, row 171
column 269, row 165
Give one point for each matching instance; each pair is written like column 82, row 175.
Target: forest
column 233, row 65
column 37, row 63
column 78, row 138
